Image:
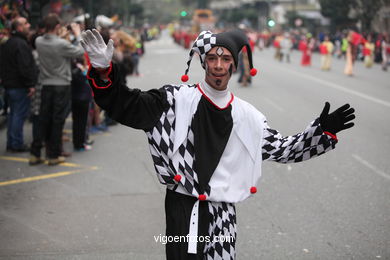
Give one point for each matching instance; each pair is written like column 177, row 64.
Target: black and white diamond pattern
column 296, row 148
column 204, row 43
column 160, row 140
column 311, row 143
column 161, row 147
column 186, row 162
column 223, row 225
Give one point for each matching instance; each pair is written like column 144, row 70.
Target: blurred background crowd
column 43, row 75
column 40, row 49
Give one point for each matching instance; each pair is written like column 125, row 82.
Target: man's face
column 24, row 26
column 219, row 66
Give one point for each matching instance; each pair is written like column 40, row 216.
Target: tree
column 237, row 15
column 188, row 3
column 338, row 12
column 367, row 10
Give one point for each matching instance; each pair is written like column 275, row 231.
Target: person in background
column 385, row 52
column 326, row 51
column 354, row 39
column 368, row 52
column 19, row 74
column 306, row 46
column 81, row 101
column 276, row 44
column 344, row 46
column 55, row 56
column 285, row 47
column 36, row 103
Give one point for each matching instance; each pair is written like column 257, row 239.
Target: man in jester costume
column 207, row 145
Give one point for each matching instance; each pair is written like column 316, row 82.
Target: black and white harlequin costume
column 208, row 153
column 209, row 157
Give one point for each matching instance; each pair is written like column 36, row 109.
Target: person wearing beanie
column 207, row 145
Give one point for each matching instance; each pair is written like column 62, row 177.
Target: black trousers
column 80, row 109
column 36, row 144
column 54, row 104
column 178, row 209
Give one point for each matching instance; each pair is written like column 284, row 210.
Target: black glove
column 337, row 120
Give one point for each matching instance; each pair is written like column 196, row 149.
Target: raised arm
column 131, row 107
column 319, row 137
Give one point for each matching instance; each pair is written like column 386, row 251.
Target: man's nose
column 219, row 62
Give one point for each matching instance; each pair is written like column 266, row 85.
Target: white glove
column 99, row 53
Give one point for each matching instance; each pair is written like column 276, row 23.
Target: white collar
column 220, row 98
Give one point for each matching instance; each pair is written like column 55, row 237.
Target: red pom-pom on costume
column 177, row 177
column 253, row 72
column 184, row 78
column 202, row 197
column 253, row 190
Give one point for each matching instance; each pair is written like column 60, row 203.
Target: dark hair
column 51, row 21
column 41, row 24
column 105, row 33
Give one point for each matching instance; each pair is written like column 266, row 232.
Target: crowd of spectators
column 370, row 47
column 43, row 80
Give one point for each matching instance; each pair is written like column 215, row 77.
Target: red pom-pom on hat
column 253, row 72
column 253, row 190
column 184, row 78
column 202, row 197
column 177, row 177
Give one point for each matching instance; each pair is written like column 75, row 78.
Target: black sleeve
column 130, row 107
column 26, row 65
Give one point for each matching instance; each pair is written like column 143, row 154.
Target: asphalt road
column 107, row 203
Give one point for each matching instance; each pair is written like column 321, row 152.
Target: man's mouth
column 219, row 75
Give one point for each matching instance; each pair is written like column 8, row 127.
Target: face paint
column 206, row 67
column 219, row 51
column 218, row 82
column 231, row 69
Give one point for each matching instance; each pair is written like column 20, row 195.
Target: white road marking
column 342, row 88
column 370, row 166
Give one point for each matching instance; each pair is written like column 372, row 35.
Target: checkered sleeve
column 296, row 148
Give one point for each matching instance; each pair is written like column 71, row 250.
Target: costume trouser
column 285, row 54
column 348, row 70
column 135, row 59
column 80, row 109
column 215, row 219
column 19, row 104
column 368, row 61
column 385, row 60
column 306, row 58
column 178, row 209
column 326, row 60
column 54, row 105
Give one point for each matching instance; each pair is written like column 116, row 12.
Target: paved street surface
column 107, row 203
